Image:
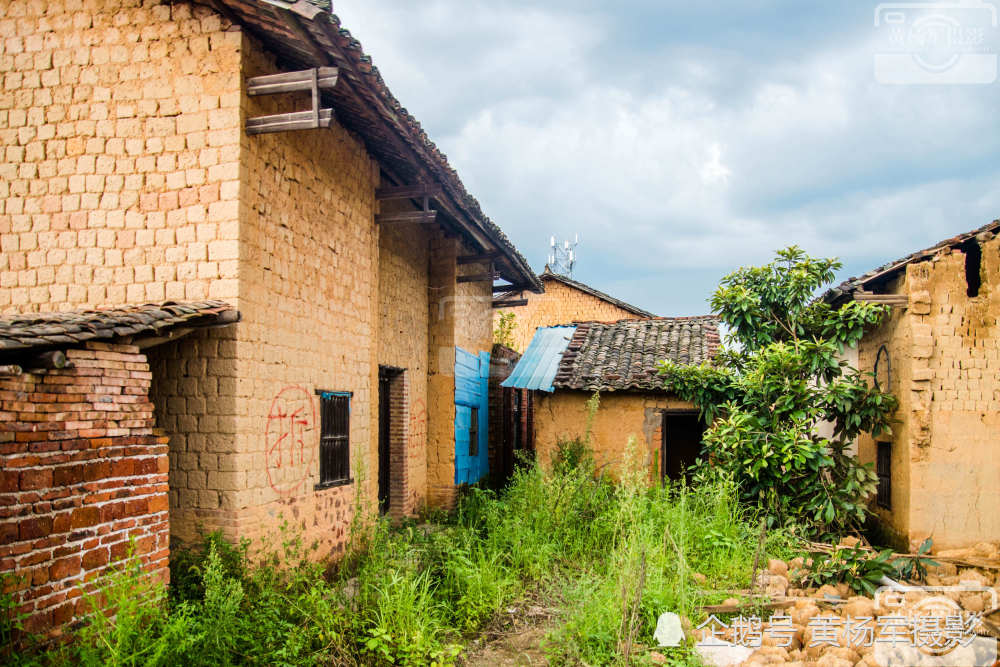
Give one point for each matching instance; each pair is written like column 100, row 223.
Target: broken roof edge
column 842, row 292
column 548, row 274
column 361, row 71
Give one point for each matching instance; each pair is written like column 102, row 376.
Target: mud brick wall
column 945, row 353
column 308, row 286
column 119, row 154
column 560, row 304
column 562, row 415
column 81, row 474
column 402, row 343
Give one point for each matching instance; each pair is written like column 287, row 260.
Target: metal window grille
column 335, row 436
column 883, row 469
column 474, row 433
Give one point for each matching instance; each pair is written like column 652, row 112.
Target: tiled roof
column 307, row 35
column 890, row 270
column 547, row 274
column 46, row 330
column 623, row 355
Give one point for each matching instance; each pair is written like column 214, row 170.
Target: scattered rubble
column 813, row 630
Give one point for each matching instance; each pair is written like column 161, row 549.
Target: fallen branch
column 822, row 547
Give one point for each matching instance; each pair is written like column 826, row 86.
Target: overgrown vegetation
column 503, row 333
column 605, row 559
column 776, row 382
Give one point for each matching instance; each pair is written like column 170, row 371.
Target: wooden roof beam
column 479, row 277
column 418, row 191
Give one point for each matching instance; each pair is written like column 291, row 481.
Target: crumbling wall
column 82, row 473
column 560, row 304
column 955, row 467
column 945, row 355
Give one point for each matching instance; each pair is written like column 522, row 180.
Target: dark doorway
column 681, row 443
column 384, row 439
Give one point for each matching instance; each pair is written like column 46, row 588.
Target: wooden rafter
column 510, row 303
column 418, row 191
column 479, row 277
column 886, row 299
column 476, row 259
column 407, row 216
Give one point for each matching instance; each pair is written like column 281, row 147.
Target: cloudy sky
column 683, row 139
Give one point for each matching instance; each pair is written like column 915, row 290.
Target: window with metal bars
column 335, row 438
column 883, row 470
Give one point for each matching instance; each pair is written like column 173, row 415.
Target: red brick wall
column 81, row 472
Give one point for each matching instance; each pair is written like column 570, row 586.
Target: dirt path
column 515, row 649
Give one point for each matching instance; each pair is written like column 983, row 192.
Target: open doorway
column 681, row 433
column 391, row 439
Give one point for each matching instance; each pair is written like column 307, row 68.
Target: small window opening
column 973, row 264
column 883, row 470
column 474, row 433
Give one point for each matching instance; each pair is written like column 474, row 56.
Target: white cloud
column 709, row 169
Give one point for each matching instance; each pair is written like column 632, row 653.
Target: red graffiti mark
column 289, row 446
column 418, row 423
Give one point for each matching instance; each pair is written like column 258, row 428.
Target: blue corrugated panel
column 537, row 367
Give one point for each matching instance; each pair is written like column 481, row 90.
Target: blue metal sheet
column 537, row 367
column 471, row 391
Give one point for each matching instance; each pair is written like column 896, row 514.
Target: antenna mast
column 562, row 257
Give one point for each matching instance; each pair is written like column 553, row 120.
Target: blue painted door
column 471, row 419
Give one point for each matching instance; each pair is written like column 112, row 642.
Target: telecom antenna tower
column 562, row 258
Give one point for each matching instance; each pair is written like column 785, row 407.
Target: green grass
column 418, row 592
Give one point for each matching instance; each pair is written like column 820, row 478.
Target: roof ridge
column 548, row 274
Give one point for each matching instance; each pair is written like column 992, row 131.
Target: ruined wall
column 81, row 473
column 119, row 124
column 955, row 467
column 560, row 304
column 402, row 343
column 945, row 354
column 563, row 415
column 308, row 295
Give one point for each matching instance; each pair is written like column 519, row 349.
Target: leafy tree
column 778, row 378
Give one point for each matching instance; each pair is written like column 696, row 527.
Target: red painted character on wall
column 290, row 445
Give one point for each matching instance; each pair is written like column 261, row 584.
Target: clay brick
column 39, row 478
column 84, row 517
column 96, row 558
column 65, row 567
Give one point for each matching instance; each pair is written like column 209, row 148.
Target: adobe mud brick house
column 247, row 151
column 939, row 354
column 564, row 365
column 564, row 300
